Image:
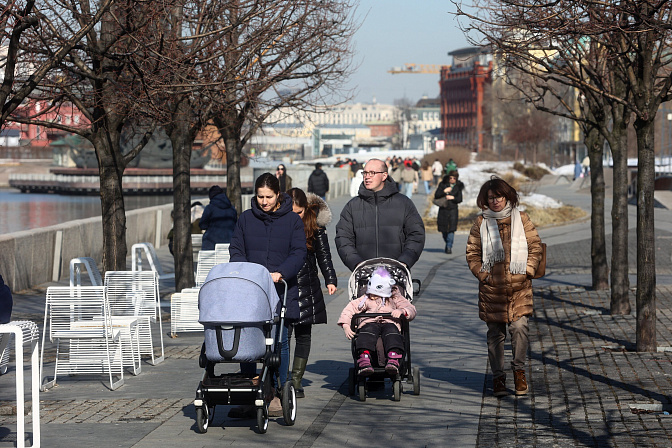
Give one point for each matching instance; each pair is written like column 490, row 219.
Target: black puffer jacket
column 312, row 309
column 380, row 224
column 318, row 182
column 446, row 220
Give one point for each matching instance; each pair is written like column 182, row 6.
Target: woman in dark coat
column 272, row 235
column 315, row 214
column 218, row 219
column 450, row 188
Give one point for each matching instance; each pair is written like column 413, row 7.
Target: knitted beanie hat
column 380, row 283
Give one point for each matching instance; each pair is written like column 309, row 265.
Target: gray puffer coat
column 380, row 224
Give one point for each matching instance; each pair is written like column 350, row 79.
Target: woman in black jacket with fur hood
column 315, row 214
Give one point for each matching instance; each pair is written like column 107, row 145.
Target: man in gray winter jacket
column 379, row 222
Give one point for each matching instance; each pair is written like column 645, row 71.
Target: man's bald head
column 375, row 174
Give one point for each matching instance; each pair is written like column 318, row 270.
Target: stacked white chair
column 24, row 333
column 79, row 321
column 89, row 265
column 147, row 249
column 136, row 294
column 206, row 260
column 184, row 311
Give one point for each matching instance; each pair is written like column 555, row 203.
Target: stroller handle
column 354, row 322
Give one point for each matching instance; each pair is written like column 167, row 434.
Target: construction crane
column 417, row 68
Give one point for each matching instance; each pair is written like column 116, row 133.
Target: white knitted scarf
column 491, row 243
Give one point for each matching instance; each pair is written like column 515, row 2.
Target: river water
column 24, row 211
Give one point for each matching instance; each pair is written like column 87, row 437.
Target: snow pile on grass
column 477, row 173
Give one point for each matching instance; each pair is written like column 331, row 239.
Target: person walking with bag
column 315, row 214
column 503, row 252
column 448, row 195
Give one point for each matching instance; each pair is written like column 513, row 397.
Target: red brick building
column 464, row 106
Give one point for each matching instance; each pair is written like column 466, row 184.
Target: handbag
column 441, row 202
column 541, row 270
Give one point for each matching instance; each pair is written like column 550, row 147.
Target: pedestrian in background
column 437, row 171
column 218, row 219
column 446, row 222
column 503, row 252
column 318, row 182
column 284, row 179
column 407, row 177
column 450, row 166
column 315, row 214
column 6, row 302
column 427, row 175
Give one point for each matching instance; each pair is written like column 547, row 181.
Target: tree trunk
column 233, row 187
column 111, row 170
column 598, row 250
column 182, row 142
column 620, row 283
column 646, row 252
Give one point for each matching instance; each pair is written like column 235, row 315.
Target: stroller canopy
column 361, row 274
column 237, row 292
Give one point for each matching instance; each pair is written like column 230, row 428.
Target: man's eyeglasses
column 495, row 198
column 372, row 173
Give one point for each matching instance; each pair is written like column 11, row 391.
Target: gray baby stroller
column 408, row 287
column 239, row 309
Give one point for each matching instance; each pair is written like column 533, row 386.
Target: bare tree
column 100, row 78
column 22, row 73
column 631, row 39
column 279, row 53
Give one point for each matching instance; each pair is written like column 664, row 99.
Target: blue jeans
column 448, row 237
column 427, row 190
column 284, row 356
column 408, row 189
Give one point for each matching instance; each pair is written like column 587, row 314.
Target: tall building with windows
column 464, row 105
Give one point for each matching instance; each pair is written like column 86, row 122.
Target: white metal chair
column 196, row 243
column 222, row 253
column 137, row 251
column 79, row 321
column 206, row 260
column 136, row 294
column 24, row 333
column 184, row 311
column 89, row 264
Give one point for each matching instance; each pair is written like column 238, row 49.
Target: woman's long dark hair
column 267, row 180
column 309, row 215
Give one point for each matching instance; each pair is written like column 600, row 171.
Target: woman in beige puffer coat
column 503, row 252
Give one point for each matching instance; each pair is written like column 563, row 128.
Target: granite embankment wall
column 33, row 257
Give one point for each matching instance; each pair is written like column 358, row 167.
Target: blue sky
column 396, row 32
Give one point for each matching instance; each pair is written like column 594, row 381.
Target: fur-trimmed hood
column 321, row 208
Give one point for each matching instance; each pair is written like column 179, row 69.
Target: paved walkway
column 583, row 374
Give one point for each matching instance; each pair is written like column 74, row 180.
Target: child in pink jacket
column 381, row 297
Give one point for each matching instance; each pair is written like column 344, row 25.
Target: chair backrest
column 133, row 293
column 77, row 312
column 137, row 251
column 89, row 264
column 207, row 259
column 222, row 253
column 196, row 242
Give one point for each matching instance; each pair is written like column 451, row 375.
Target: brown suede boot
column 499, row 386
column 520, row 382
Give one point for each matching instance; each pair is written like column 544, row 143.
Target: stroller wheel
column 362, row 391
column 396, row 388
column 204, row 416
column 289, row 403
column 262, row 420
column 351, row 381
